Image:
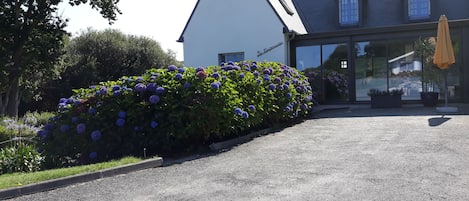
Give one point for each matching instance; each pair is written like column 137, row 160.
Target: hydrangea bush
column 172, row 109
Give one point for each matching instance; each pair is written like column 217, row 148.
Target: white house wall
column 227, row 26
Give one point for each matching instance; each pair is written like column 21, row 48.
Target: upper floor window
column 418, row 9
column 348, row 12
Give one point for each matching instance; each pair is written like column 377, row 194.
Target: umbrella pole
column 446, row 88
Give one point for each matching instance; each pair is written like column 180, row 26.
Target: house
column 235, row 30
column 363, row 44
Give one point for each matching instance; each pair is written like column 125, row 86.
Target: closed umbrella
column 444, row 56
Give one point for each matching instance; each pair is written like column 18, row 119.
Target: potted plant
column 385, row 99
column 425, row 48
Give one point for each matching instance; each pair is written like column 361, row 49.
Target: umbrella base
column 447, row 109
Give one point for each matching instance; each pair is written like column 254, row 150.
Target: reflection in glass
column 335, row 75
column 370, row 68
column 308, row 57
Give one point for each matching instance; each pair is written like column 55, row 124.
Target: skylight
column 286, row 7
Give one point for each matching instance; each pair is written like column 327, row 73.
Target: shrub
column 20, row 158
column 173, row 109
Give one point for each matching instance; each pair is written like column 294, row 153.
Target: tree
column 97, row 56
column 31, row 37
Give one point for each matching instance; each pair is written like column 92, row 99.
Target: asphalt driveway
column 347, row 154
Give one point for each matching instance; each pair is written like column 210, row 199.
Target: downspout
column 289, row 36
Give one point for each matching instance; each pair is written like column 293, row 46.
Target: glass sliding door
column 370, row 68
column 335, row 66
column 405, row 68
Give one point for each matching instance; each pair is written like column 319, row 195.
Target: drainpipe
column 289, row 35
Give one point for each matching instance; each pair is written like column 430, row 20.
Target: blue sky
column 161, row 20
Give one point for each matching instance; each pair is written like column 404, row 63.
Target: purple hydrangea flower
column 139, row 79
column 172, row 68
column 252, row 107
column 160, row 90
column 272, row 87
column 152, row 77
column 266, row 72
column 245, row 115
column 96, row 135
column 181, row 70
column 117, row 93
column 178, row 76
column 120, row 122
column 154, row 99
column 187, row 85
column 151, row 87
column 63, row 100
column 140, row 87
column 299, row 89
column 230, row 63
column 288, row 108
column 247, row 69
column 64, row 128
column 91, row 111
column 93, row 155
column 258, row 81
column 266, row 77
column 70, row 101
column 254, row 66
column 308, row 88
column 198, row 69
column 215, row 85
column 277, row 80
column 241, row 75
column 102, row 91
column 288, row 95
column 216, row 75
column 122, row 114
column 236, row 68
column 153, row 124
column 286, row 87
column 201, row 74
column 74, row 119
column 81, row 128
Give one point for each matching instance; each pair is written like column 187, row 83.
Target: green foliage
column 97, row 56
column 21, row 158
column 172, row 110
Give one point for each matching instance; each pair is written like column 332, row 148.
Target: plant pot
column 429, row 99
column 386, row 101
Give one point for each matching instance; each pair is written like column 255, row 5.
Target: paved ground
column 349, row 154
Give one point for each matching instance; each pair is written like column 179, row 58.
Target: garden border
column 80, row 178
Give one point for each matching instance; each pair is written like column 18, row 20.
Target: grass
column 19, row 179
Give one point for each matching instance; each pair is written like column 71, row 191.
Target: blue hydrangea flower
column 266, row 77
column 151, row 87
column 63, row 100
column 230, row 63
column 241, row 75
column 258, row 81
column 236, row 68
column 308, row 88
column 172, row 68
column 182, row 70
column 139, row 79
column 272, row 87
column 288, row 95
column 245, row 115
column 152, row 77
column 256, row 74
column 299, row 89
column 81, row 128
column 93, row 155
column 252, row 107
column 187, row 85
column 160, row 90
column 96, row 135
column 238, row 111
column 216, row 75
column 153, row 124
column 140, row 87
column 215, row 85
column 122, row 114
column 229, row 67
column 266, row 72
column 102, row 91
column 286, row 87
column 91, row 111
column 74, row 119
column 154, row 99
column 178, row 76
column 64, row 128
column 120, row 122
column 117, row 93
column 247, row 69
column 116, row 88
column 199, row 69
column 288, row 108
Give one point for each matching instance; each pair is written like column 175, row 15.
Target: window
column 419, row 9
column 348, row 12
column 234, row 57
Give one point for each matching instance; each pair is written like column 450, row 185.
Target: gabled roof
column 285, row 11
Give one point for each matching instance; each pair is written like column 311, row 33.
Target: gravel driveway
column 358, row 154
